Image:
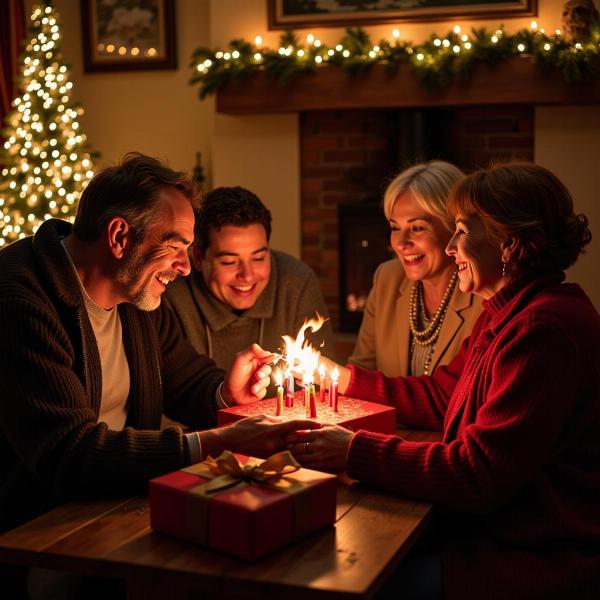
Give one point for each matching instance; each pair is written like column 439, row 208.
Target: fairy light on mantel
column 435, row 62
column 45, row 162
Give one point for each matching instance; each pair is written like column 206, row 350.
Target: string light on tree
column 45, row 162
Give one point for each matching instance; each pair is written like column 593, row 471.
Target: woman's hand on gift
column 248, row 378
column 325, row 449
column 255, row 436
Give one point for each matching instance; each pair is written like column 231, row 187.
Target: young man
column 91, row 359
column 240, row 292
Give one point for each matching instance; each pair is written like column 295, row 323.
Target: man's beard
column 128, row 275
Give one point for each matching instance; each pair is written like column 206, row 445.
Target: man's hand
column 255, row 436
column 248, row 378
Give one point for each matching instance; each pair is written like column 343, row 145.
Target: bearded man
column 90, row 360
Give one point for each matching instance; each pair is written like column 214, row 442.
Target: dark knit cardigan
column 51, row 445
column 517, row 475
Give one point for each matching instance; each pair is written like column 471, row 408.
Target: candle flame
column 298, row 352
column 335, row 374
column 278, row 377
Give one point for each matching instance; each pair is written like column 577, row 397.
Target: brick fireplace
column 348, row 156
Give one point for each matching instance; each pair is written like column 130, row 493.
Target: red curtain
column 12, row 36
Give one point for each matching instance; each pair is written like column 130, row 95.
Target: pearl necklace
column 429, row 335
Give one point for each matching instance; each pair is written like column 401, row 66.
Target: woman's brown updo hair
column 529, row 203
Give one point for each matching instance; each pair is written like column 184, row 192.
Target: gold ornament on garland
column 436, row 63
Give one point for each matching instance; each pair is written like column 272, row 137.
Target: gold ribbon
column 227, row 472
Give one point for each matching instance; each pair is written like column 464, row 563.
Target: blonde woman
column 416, row 317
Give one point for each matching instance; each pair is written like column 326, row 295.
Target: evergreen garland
column 435, row 63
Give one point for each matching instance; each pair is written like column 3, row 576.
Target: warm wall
column 567, row 142
column 262, row 152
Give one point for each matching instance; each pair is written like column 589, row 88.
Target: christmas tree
column 45, row 162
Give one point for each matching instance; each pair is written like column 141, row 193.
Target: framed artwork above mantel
column 293, row 14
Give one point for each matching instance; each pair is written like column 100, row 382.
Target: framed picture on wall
column 291, row 14
column 128, row 35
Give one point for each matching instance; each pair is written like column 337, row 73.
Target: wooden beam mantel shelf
column 514, row 81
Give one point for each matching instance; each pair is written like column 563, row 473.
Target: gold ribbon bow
column 226, row 472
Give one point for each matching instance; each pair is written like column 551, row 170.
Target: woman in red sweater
column 516, row 476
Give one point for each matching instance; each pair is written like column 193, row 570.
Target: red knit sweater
column 517, row 475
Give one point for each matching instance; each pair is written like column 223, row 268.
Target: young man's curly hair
column 229, row 206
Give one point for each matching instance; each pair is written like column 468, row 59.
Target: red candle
column 307, row 397
column 333, row 390
column 279, row 381
column 289, row 400
column 289, row 394
column 312, row 400
column 321, row 383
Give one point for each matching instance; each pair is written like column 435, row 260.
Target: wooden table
column 373, row 532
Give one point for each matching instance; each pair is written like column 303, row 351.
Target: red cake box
column 352, row 413
column 243, row 505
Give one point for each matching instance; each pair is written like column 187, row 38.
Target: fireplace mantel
column 514, row 81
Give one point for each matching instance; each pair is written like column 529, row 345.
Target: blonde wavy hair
column 430, row 184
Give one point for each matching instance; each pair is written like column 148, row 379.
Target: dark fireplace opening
column 349, row 157
column 364, row 244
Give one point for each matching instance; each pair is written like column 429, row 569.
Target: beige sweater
column 384, row 337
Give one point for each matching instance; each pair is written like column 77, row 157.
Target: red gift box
column 244, row 517
column 352, row 413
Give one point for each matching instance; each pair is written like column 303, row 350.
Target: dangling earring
column 503, row 269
